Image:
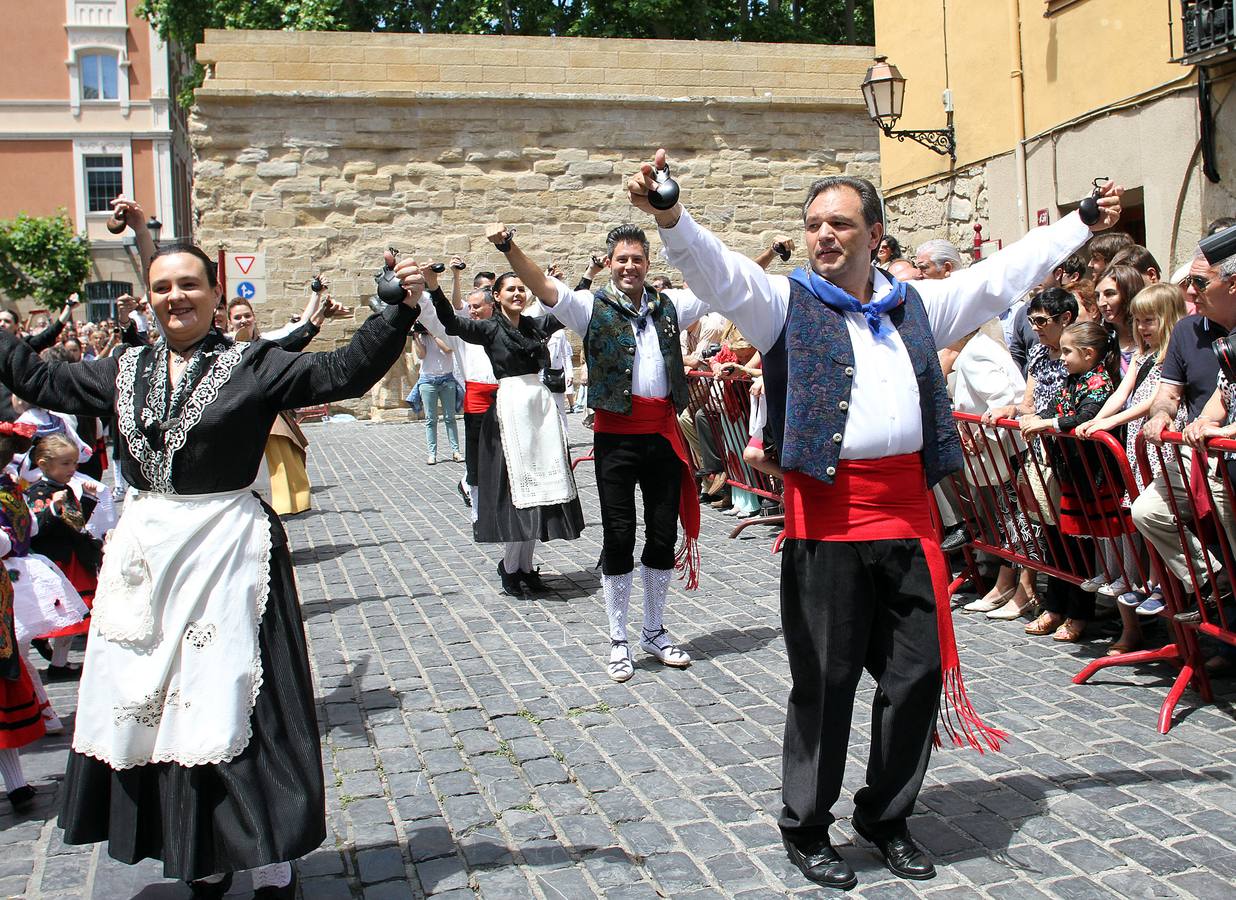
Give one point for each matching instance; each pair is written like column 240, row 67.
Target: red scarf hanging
column 888, row 499
column 649, row 416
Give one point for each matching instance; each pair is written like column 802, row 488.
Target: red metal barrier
column 1013, row 512
column 726, row 404
column 1202, row 506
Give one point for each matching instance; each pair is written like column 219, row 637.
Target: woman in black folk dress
column 526, row 492
column 196, row 741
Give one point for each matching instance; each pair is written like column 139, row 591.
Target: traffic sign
column 245, row 290
column 247, row 265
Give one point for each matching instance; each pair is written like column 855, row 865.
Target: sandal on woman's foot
column 665, row 650
column 991, row 601
column 1012, row 610
column 1044, row 624
column 1120, row 648
column 620, row 667
column 1070, row 632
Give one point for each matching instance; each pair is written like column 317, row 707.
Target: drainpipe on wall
column 1019, row 115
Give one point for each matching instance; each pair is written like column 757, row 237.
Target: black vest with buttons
column 808, row 374
column 609, row 350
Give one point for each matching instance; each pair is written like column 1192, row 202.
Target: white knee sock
column 525, row 556
column 617, row 591
column 510, row 557
column 274, row 875
column 10, row 768
column 656, row 586
column 60, row 650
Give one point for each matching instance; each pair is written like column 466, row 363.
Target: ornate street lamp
column 154, row 226
column 884, row 89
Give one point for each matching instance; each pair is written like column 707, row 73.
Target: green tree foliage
column 41, row 258
column 784, row 21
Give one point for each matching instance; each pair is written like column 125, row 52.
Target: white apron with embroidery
column 173, row 666
column 534, row 443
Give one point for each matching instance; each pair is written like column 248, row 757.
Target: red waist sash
column 870, row 500
column 657, row 416
column 888, row 499
column 479, row 396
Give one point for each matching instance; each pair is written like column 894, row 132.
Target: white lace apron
column 173, row 666
column 534, row 443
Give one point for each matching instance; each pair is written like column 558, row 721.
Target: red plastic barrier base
column 1167, row 653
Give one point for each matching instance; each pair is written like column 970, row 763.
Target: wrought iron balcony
column 1209, row 30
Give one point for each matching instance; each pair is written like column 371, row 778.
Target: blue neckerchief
column 832, row 296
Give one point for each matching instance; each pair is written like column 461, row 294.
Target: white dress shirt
column 884, row 417
column 471, row 362
column 648, row 379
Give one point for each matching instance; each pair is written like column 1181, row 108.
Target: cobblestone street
column 473, row 744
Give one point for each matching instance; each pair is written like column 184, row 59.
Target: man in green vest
column 636, row 386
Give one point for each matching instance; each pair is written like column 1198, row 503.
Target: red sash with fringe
column 649, row 416
column 888, row 499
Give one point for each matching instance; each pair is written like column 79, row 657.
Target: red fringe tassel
column 959, row 720
column 687, row 561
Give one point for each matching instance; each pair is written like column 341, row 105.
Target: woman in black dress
column 196, row 741
column 526, row 492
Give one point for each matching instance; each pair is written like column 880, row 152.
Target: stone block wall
column 324, row 174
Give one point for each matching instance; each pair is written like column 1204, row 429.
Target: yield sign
column 245, row 263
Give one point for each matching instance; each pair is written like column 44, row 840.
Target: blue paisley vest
column 808, row 374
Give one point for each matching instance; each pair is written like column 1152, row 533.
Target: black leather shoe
column 533, row 581
column 22, row 798
column 210, row 890
column 954, row 539
column 822, row 864
column 903, row 857
column 467, row 497
column 63, row 673
column 510, row 582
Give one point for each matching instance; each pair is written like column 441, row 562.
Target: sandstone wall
column 322, row 149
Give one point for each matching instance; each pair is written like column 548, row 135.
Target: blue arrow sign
column 246, row 290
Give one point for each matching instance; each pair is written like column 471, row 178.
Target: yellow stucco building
column 1049, row 94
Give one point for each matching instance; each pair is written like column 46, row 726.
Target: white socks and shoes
column 620, row 667
column 655, row 639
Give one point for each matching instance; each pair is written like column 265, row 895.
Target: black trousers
column 622, row 462
column 472, row 443
column 846, row 607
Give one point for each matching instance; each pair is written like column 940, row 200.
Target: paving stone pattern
column 474, row 746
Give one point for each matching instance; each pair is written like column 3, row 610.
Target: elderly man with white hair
column 938, row 259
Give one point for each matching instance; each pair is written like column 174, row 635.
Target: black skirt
column 497, row 519
column 266, row 805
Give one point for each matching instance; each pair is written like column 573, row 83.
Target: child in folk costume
column 1090, row 502
column 21, row 716
column 527, row 492
column 62, row 535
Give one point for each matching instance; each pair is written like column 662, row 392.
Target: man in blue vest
column 858, row 405
column 637, row 386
